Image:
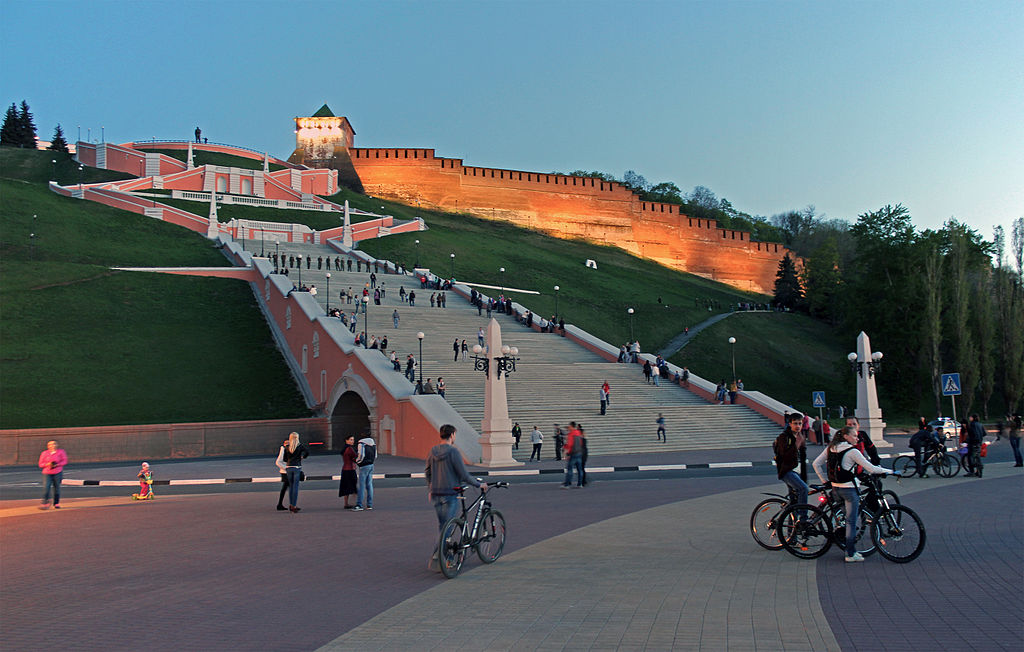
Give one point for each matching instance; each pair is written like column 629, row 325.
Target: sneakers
column 564, row 486
column 369, row 509
column 281, row 508
column 357, row 508
column 855, row 558
column 56, row 506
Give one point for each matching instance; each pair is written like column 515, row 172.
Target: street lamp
column 366, row 320
column 874, row 365
column 328, row 293
column 556, row 301
column 80, row 168
column 506, row 363
column 419, row 385
column 277, row 256
column 54, row 174
column 263, row 241
column 630, row 311
column 502, row 270
column 732, row 343
column 453, row 266
column 417, row 253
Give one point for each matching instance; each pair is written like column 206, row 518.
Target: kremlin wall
column 563, row 206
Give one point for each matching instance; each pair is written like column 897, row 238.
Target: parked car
column 949, row 429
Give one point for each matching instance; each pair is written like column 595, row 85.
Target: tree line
column 935, row 301
column 19, row 130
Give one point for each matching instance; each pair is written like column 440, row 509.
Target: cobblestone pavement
column 624, row 564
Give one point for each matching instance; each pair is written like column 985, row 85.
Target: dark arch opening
column 349, row 417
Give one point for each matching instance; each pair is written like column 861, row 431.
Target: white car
column 950, row 429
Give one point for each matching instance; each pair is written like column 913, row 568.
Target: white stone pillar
column 868, row 413
column 346, row 233
column 496, row 439
column 213, row 228
column 189, row 164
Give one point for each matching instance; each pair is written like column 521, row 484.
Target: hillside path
column 677, row 343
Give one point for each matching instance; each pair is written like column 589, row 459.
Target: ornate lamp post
column 630, row 311
column 366, row 320
column 874, row 365
column 732, row 345
column 419, row 384
column 328, row 293
column 868, row 413
column 504, row 364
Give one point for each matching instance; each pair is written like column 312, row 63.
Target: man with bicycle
column 445, row 471
column 787, row 448
column 924, row 442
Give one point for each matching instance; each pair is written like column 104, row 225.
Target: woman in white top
column 837, row 464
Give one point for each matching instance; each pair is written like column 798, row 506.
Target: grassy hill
column 200, row 157
column 81, row 344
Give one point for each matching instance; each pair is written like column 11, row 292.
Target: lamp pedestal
column 868, row 413
column 496, row 428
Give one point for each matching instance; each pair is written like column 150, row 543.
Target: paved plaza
column 636, row 561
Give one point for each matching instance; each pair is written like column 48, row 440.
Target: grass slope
column 81, row 344
column 200, row 157
column 37, row 165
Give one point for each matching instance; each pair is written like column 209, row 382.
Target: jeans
column 364, row 486
column 852, row 501
column 604, row 406
column 52, row 480
column 575, row 462
column 294, row 473
column 919, row 461
column 974, row 457
column 1015, row 445
column 536, row 451
column 797, row 484
column 447, row 508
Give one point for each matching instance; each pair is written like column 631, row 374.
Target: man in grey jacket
column 445, row 471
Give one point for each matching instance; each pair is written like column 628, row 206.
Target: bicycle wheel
column 946, row 465
column 450, row 550
column 899, row 534
column 763, row 520
column 864, row 542
column 905, row 465
column 492, row 537
column 808, row 536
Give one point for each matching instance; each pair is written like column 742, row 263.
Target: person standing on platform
column 537, row 439
column 661, row 429
column 517, row 433
column 293, row 456
column 348, row 483
column 444, row 472
column 52, row 462
column 604, row 400
column 559, row 435
column 366, row 454
column 975, row 436
column 284, row 476
column 787, row 449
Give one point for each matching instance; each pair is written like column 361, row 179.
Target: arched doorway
column 350, row 416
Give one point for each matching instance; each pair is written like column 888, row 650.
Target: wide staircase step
column 556, row 381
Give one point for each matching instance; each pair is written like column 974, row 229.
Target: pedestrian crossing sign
column 951, row 384
column 818, row 399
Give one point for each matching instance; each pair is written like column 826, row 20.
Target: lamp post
column 556, row 301
column 417, row 253
column 103, row 134
column 453, row 266
column 53, row 175
column 874, row 365
column 732, row 345
column 80, row 168
column 366, row 320
column 502, row 270
column 277, row 256
column 263, row 242
column 419, row 385
column 630, row 311
column 328, row 293
column 505, row 363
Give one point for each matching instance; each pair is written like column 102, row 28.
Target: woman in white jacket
column 837, row 465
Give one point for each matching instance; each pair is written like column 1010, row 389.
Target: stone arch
column 353, row 408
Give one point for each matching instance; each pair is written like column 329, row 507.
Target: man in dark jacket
column 787, row 455
column 445, row 471
column 975, row 435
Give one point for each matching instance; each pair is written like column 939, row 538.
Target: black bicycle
column 485, row 533
column 944, row 464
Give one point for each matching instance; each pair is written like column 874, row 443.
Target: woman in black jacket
column 294, row 453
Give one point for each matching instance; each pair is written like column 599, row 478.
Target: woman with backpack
column 837, row 465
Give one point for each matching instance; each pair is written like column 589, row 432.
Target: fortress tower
column 318, row 137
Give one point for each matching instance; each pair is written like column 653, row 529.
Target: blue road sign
column 951, row 384
column 818, row 399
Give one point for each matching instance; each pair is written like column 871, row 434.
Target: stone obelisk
column 496, row 438
column 868, row 413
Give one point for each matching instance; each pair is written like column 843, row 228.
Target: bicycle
column 944, row 464
column 897, row 532
column 485, row 533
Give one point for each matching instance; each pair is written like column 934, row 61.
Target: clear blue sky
column 773, row 105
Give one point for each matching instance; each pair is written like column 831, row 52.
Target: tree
column 823, row 283
column 788, row 292
column 1009, row 314
column 931, row 249
column 9, row 130
column 26, row 127
column 665, row 192
column 703, row 197
column 57, row 142
column 635, row 182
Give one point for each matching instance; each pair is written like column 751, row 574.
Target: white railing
column 222, row 198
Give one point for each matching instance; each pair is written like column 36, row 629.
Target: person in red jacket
column 52, row 461
column 574, row 456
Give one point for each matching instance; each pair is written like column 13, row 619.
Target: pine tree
column 57, row 143
column 26, row 127
column 788, row 292
column 9, row 131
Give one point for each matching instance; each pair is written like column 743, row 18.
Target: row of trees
column 19, row 130
column 935, row 301
column 701, row 203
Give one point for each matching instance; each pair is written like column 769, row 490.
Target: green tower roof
column 323, row 112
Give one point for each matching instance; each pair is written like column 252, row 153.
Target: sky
column 846, row 106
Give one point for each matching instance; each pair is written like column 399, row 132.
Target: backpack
column 369, row 454
column 836, row 472
column 577, row 446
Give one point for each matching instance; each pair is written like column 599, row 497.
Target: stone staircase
column 556, row 381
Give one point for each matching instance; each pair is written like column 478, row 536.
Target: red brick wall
column 574, row 207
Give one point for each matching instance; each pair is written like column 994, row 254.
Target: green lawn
column 200, row 157
column 82, row 345
column 36, row 165
column 319, row 220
